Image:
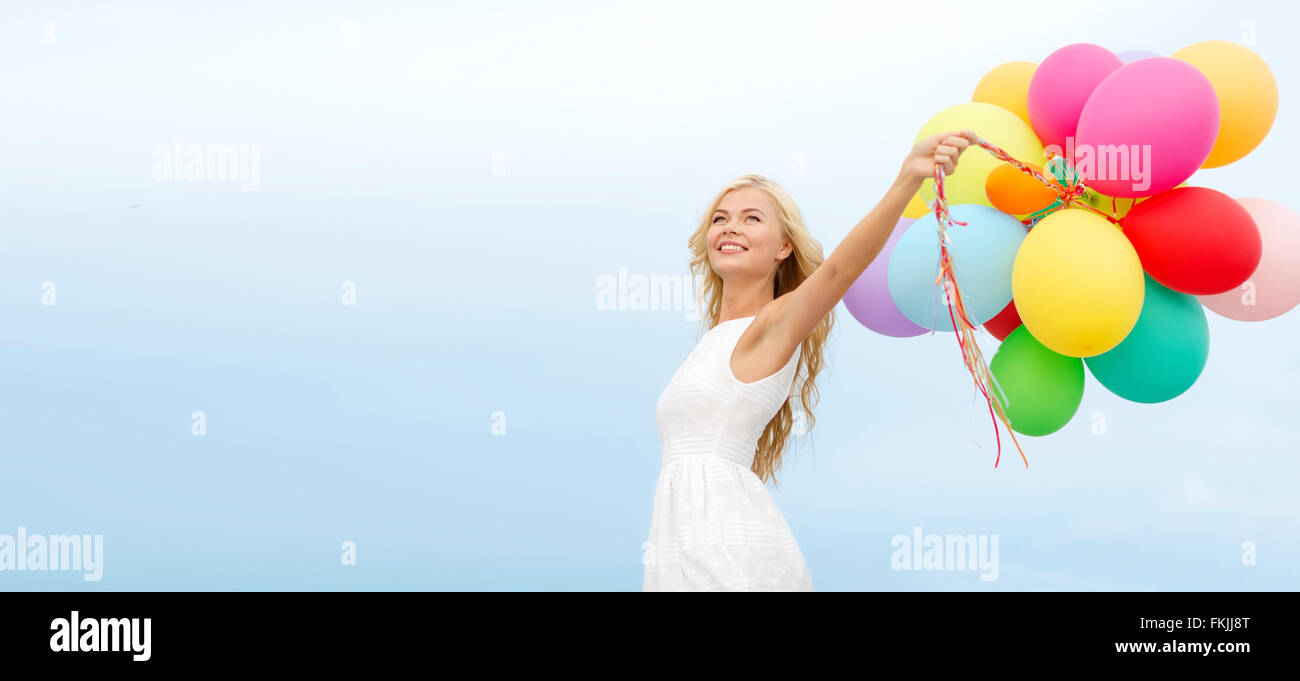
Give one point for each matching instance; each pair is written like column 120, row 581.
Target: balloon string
column 1071, row 192
column 972, row 358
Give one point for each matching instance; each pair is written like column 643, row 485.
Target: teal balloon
column 1164, row 353
column 1039, row 389
column 983, row 252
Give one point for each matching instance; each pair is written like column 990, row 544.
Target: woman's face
column 745, row 236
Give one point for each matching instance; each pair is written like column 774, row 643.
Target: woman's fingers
column 940, row 138
column 947, row 147
column 948, row 160
column 966, row 136
column 960, row 138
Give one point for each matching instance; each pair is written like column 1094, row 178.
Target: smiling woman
column 767, row 297
column 752, row 249
column 726, row 415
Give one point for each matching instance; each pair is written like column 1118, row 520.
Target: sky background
column 475, row 169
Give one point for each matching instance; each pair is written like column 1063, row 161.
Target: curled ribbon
column 965, row 330
column 1070, row 193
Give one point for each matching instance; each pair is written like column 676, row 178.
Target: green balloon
column 1164, row 353
column 1043, row 388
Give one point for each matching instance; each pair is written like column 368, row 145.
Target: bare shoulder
column 762, row 349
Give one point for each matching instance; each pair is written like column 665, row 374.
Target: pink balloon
column 1061, row 86
column 1146, row 128
column 1274, row 288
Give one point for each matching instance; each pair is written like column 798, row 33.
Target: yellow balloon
column 1247, row 96
column 917, row 206
column 1077, row 283
column 1007, row 86
column 995, row 125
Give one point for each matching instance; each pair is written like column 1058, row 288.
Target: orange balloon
column 1013, row 191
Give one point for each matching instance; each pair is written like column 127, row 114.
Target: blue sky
column 473, row 169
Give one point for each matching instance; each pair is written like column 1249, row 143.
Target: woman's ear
column 786, row 249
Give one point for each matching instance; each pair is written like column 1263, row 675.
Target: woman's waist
column 709, row 448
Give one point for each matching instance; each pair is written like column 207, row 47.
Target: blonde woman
column 768, row 300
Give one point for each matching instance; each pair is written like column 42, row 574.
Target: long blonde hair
column 798, row 266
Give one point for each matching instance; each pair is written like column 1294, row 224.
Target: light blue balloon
column 983, row 251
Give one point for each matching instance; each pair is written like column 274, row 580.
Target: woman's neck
column 741, row 303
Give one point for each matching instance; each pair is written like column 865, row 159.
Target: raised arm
column 794, row 315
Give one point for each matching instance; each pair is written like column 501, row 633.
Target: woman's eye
column 752, row 216
column 715, row 219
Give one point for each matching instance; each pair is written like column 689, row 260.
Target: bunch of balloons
column 1077, row 240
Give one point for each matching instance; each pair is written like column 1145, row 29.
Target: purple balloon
column 1133, row 55
column 869, row 301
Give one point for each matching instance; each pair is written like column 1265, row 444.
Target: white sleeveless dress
column 715, row 526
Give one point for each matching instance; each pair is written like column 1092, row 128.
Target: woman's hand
column 942, row 148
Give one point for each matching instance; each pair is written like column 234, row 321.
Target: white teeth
column 731, row 248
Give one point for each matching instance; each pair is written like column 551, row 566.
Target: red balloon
column 1004, row 322
column 1194, row 240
